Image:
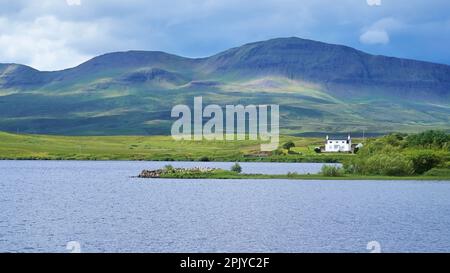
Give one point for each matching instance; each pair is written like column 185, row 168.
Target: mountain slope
column 320, row 88
column 21, row 76
column 335, row 68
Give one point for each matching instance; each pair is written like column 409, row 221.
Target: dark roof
column 338, row 137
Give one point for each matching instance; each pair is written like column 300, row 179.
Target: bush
column 277, row 152
column 393, row 139
column 288, row 145
column 236, row 168
column 400, row 155
column 380, row 164
column 169, row 169
column 425, row 161
column 438, row 172
column 429, row 139
column 317, row 150
column 204, row 159
column 394, row 164
column 331, row 171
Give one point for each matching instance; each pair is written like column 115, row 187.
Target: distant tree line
column 429, row 139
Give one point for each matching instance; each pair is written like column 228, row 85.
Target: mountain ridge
column 219, row 53
column 333, row 66
column 322, row 87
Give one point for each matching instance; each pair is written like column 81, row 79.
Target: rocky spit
column 150, row 173
column 157, row 173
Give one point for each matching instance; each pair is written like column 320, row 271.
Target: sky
column 58, row 34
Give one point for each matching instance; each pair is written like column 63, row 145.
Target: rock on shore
column 150, row 173
column 157, row 173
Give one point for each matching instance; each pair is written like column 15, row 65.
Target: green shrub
column 288, row 145
column 393, row 164
column 169, row 169
column 438, row 172
column 393, row 139
column 331, row 171
column 429, row 139
column 236, row 168
column 425, row 161
column 277, row 152
column 204, row 159
column 380, row 164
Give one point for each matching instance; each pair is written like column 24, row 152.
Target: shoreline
column 178, row 160
column 211, row 173
column 240, row 160
column 310, row 177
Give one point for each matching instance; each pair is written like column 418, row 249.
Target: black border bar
column 230, row 262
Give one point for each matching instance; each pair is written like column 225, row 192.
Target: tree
column 429, row 139
column 425, row 161
column 288, row 145
column 236, row 168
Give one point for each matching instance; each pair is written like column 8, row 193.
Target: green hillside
column 320, row 88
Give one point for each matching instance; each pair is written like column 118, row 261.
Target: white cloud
column 378, row 32
column 44, row 43
column 374, row 37
column 73, row 2
column 50, row 43
column 374, row 2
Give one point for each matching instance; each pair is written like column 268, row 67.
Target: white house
column 338, row 144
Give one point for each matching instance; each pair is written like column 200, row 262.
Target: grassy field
column 160, row 148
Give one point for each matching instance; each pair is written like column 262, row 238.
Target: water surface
column 45, row 204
